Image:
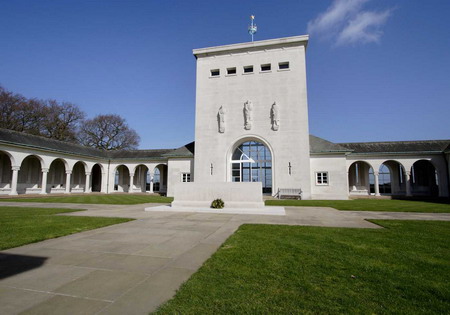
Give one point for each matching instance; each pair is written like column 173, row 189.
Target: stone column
column 377, row 183
column 130, row 188
column 408, row 183
column 104, row 184
column 151, row 183
column 87, row 186
column 44, row 181
column 68, row 175
column 15, row 176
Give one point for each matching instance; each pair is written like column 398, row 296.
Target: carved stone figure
column 221, row 119
column 248, row 107
column 275, row 117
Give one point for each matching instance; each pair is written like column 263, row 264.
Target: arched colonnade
column 36, row 173
column 407, row 177
column 151, row 177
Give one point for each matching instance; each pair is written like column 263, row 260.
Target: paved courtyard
column 132, row 268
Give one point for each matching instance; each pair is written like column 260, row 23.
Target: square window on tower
column 231, row 71
column 248, row 69
column 215, row 72
column 266, row 67
column 283, row 65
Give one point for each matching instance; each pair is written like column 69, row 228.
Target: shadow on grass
column 441, row 200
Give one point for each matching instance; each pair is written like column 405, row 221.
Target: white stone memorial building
column 251, row 125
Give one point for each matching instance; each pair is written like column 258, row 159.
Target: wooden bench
column 290, row 192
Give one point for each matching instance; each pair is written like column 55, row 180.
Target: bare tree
column 9, row 104
column 62, row 121
column 108, row 132
column 30, row 116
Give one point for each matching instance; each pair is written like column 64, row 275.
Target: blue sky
column 377, row 70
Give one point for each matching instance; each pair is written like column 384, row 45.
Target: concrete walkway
column 132, row 268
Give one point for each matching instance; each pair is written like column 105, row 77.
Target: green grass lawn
column 268, row 269
column 20, row 226
column 110, row 199
column 367, row 205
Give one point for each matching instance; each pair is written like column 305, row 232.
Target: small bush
column 217, row 204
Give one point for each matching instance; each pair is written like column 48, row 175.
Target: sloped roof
column 27, row 140
column 316, row 145
column 38, row 142
column 447, row 150
column 319, row 145
column 138, row 154
column 184, row 151
column 428, row 146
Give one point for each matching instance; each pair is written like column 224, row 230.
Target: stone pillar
column 377, row 183
column 87, row 186
column 408, row 183
column 104, row 184
column 130, row 189
column 44, row 181
column 15, row 176
column 151, row 183
column 68, row 175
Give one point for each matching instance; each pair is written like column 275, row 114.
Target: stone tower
column 252, row 97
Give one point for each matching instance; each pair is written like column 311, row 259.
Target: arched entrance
column 122, row 179
column 96, row 178
column 359, row 178
column 141, row 180
column 160, row 178
column 5, row 173
column 424, row 179
column 57, row 176
column 251, row 161
column 391, row 178
column 30, row 175
column 78, row 178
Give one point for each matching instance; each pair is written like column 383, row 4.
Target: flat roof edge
column 257, row 44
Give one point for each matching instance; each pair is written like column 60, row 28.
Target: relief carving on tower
column 248, row 115
column 275, row 116
column 221, row 119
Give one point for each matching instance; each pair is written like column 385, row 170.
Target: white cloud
column 347, row 22
column 365, row 27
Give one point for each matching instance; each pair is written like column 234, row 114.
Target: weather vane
column 252, row 28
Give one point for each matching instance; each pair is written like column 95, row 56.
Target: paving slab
column 13, row 301
column 104, row 285
column 148, row 295
column 67, row 305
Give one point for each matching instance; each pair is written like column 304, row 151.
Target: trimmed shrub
column 217, row 204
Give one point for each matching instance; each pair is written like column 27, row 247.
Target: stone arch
column 56, row 178
column 251, row 159
column 122, row 178
column 96, row 177
column 160, row 178
column 78, row 178
column 6, row 163
column 359, row 180
column 395, row 182
column 141, row 182
column 424, row 178
column 66, row 164
column 30, row 174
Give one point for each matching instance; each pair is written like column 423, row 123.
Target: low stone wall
column 235, row 195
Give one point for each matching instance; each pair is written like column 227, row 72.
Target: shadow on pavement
column 11, row 264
